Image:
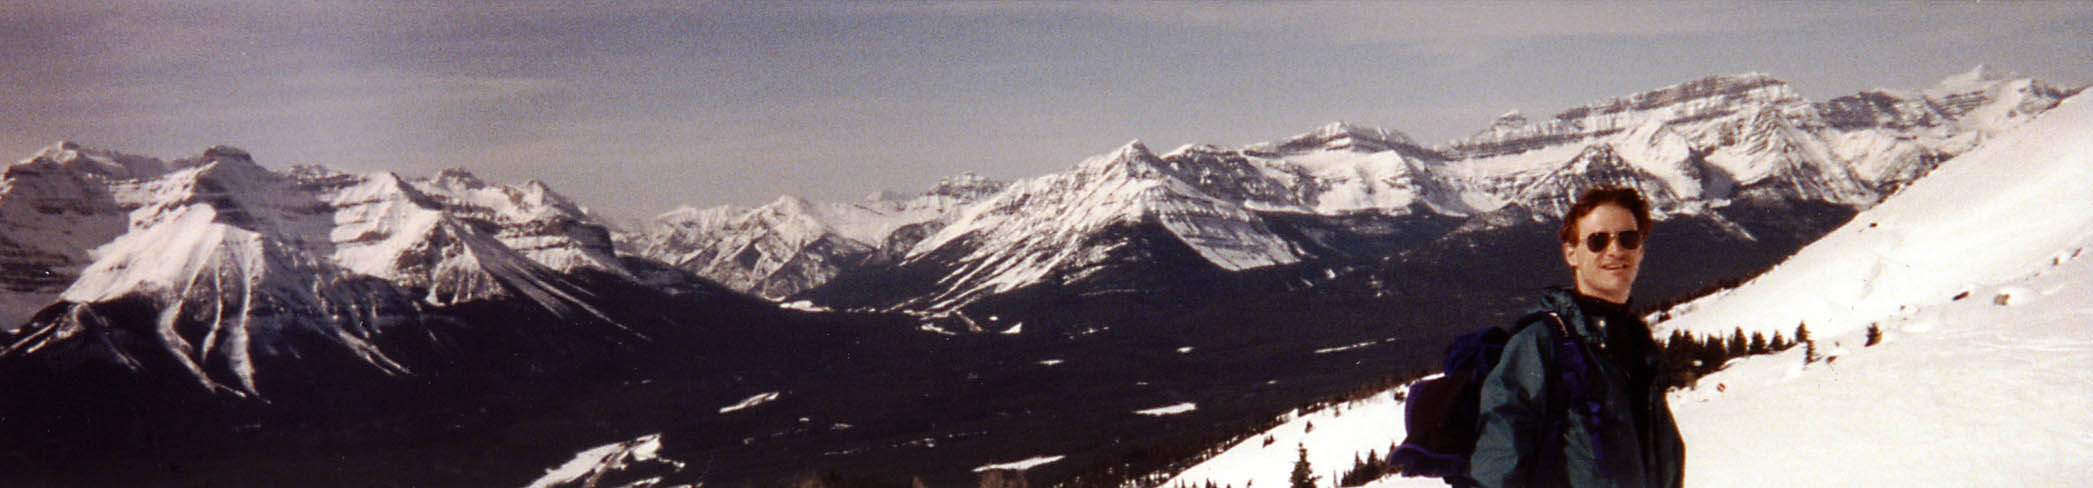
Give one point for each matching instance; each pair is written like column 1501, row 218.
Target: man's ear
column 1569, row 254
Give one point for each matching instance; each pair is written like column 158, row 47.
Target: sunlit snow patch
column 750, row 402
column 608, row 459
column 1050, row 362
column 1170, row 410
column 1020, row 465
column 804, row 305
column 1328, row 350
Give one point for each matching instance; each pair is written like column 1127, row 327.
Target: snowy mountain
column 55, row 207
column 1720, row 150
column 791, row 245
column 216, row 267
column 1974, row 276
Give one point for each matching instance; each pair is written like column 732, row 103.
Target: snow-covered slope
column 629, row 464
column 1989, row 389
column 1047, row 225
column 1981, row 218
column 238, row 264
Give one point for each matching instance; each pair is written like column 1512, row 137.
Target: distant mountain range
column 1695, row 149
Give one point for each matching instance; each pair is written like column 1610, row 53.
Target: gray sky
column 638, row 107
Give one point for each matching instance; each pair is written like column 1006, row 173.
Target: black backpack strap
column 1562, row 328
column 1560, row 398
column 1566, row 401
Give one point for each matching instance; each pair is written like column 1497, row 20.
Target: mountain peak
column 1509, row 120
column 76, row 157
column 1347, row 135
column 60, row 151
column 1131, row 155
column 223, row 152
column 966, row 185
column 1979, row 74
column 221, row 156
column 1746, row 87
column 789, row 204
column 58, row 147
column 1132, row 149
column 457, row 178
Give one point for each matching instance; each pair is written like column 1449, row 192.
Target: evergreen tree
column 1802, row 336
column 1713, row 354
column 1363, row 470
column 1738, row 345
column 1874, row 335
column 1758, row 344
column 1679, row 355
column 1303, row 477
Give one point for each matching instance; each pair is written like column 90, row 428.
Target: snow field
column 1969, row 393
column 1333, row 435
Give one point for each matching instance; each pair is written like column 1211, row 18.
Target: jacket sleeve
column 1513, row 410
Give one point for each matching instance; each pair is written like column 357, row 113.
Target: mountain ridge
column 1692, row 147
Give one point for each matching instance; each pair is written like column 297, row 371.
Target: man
column 1586, row 410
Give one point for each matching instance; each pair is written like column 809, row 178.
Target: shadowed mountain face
column 209, row 321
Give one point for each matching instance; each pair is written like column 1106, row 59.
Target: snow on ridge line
column 751, row 402
column 1021, row 465
column 1185, row 407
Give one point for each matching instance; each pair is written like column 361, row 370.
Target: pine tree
column 1713, row 354
column 1738, row 345
column 1678, row 353
column 1303, row 477
column 1874, row 335
column 1802, row 336
column 1758, row 344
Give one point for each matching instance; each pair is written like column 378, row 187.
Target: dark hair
column 1625, row 197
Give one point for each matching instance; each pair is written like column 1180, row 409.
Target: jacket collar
column 1562, row 301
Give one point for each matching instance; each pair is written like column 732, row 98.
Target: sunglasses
column 1597, row 241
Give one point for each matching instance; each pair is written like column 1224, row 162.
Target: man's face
column 1608, row 273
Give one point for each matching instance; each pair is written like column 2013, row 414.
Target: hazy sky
column 638, row 107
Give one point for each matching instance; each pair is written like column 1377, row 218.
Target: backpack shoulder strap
column 1562, row 330
column 1568, row 388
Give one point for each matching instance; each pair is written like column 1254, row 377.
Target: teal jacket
column 1513, row 448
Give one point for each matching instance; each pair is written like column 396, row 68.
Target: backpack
column 1442, row 411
